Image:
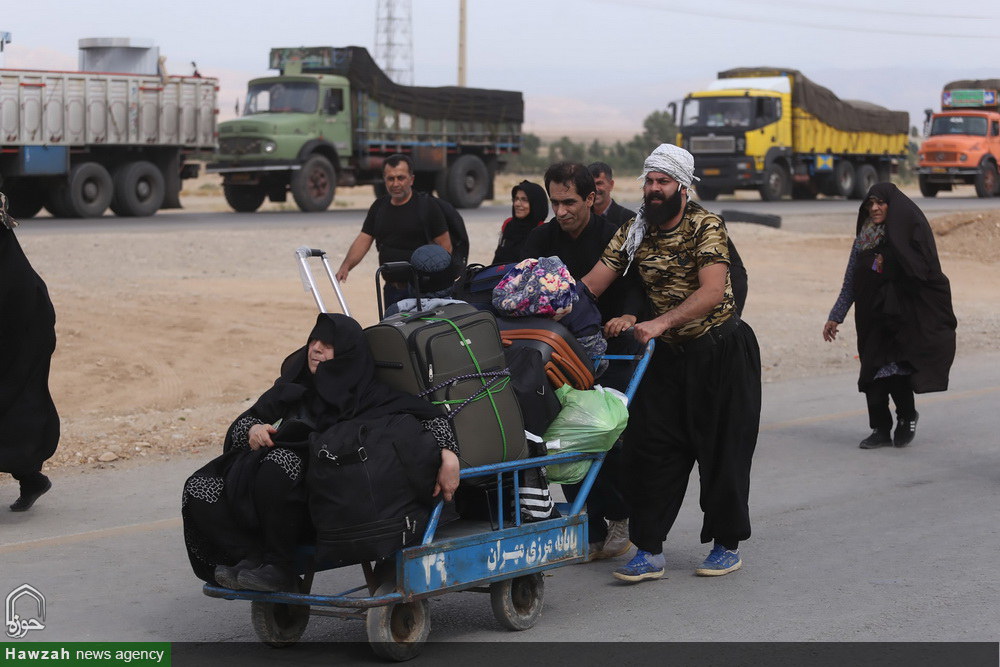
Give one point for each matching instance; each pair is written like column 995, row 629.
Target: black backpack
column 370, row 483
column 738, row 277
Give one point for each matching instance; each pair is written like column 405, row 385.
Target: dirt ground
column 165, row 336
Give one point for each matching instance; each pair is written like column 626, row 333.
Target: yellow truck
column 773, row 130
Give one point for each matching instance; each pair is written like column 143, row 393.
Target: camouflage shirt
column 668, row 263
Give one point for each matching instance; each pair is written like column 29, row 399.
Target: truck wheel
column 986, row 179
column 89, row 190
column 927, row 188
column 441, row 184
column 244, row 198
column 865, row 177
column 843, row 179
column 424, row 182
column 706, row 193
column 467, row 182
column 25, row 199
column 804, row 191
column 139, row 189
column 313, row 186
column 57, row 200
column 776, row 183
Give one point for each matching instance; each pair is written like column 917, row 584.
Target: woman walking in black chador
column 902, row 311
column 29, row 423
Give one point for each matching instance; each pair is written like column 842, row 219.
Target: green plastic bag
column 590, row 421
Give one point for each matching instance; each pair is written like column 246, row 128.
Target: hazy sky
column 584, row 66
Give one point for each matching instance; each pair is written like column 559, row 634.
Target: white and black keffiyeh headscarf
column 667, row 159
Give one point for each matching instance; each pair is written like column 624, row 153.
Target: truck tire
column 313, row 186
column 441, row 184
column 89, row 190
column 139, row 189
column 865, row 177
column 986, row 179
column 776, row 184
column 244, row 198
column 424, row 181
column 57, row 200
column 25, row 199
column 706, row 193
column 804, row 191
column 927, row 188
column 380, row 190
column 843, row 179
column 467, row 182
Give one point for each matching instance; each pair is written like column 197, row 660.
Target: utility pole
column 461, row 43
column 394, row 40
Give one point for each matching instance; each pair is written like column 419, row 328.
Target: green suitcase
column 455, row 350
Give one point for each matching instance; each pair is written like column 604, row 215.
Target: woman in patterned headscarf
column 902, row 311
column 29, row 423
column 245, row 512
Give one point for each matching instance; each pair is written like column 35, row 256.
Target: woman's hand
column 618, row 325
column 830, row 331
column 260, row 436
column 447, row 479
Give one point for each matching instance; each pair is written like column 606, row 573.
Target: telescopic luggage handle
column 395, row 266
column 303, row 253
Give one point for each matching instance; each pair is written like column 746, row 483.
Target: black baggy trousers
column 697, row 403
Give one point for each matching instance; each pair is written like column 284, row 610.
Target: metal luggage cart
column 503, row 557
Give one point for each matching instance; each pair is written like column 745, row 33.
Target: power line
column 801, row 24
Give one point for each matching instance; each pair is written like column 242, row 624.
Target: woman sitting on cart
column 245, row 512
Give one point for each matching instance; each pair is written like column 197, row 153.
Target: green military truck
column 332, row 116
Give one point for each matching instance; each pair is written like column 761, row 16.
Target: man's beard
column 660, row 210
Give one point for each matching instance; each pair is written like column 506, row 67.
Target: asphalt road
column 848, row 545
column 821, row 215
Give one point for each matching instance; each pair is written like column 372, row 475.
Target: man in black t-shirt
column 398, row 225
column 578, row 237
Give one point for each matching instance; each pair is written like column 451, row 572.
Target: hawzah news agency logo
column 31, row 601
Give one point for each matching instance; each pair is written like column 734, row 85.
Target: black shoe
column 29, row 494
column 227, row 576
column 905, row 430
column 268, row 578
column 879, row 438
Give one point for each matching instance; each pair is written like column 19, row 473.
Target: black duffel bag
column 370, row 486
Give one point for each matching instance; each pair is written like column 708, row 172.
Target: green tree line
column 658, row 128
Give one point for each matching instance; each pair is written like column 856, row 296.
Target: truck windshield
column 973, row 125
column 719, row 112
column 282, row 97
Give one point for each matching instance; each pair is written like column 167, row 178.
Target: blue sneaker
column 720, row 561
column 644, row 566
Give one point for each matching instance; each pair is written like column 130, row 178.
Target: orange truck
column 963, row 140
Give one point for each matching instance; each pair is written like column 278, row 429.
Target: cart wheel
column 398, row 631
column 517, row 603
column 279, row 625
